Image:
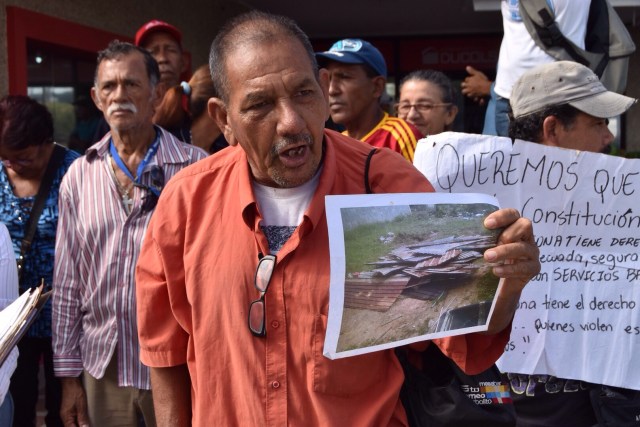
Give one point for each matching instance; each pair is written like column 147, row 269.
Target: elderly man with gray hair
column 233, row 277
column 106, row 201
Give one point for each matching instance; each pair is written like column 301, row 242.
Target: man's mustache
column 126, row 106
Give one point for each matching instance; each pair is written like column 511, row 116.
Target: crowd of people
column 187, row 248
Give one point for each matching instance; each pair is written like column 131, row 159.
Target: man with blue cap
column 358, row 74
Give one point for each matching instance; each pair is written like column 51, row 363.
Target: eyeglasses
column 156, row 184
column 257, row 312
column 421, row 107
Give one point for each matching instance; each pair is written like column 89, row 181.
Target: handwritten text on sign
column 580, row 317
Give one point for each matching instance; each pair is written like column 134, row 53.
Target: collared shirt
column 96, row 253
column 394, row 133
column 38, row 261
column 195, row 281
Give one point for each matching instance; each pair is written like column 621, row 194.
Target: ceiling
column 384, row 18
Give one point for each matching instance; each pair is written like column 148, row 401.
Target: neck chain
column 127, row 201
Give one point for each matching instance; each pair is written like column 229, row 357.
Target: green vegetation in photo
column 368, row 242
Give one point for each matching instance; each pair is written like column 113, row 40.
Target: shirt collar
column 170, row 150
column 314, row 214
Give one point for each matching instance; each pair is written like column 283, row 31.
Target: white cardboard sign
column 580, row 317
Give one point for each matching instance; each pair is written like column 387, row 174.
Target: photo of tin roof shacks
column 414, row 270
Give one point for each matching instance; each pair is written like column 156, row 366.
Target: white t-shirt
column 282, row 209
column 518, row 51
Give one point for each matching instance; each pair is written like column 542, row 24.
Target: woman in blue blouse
column 26, row 146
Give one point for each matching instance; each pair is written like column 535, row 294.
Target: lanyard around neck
column 145, row 161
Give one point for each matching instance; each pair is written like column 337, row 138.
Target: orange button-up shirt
column 195, row 283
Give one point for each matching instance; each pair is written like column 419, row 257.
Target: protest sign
column 580, row 317
column 407, row 268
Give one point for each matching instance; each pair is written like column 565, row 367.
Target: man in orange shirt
column 224, row 348
column 358, row 74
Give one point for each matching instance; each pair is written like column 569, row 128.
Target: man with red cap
column 164, row 41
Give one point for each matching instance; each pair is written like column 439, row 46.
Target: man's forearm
column 171, row 388
column 505, row 308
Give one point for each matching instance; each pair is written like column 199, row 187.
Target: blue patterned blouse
column 38, row 263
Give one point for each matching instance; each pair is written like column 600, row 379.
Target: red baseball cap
column 157, row 26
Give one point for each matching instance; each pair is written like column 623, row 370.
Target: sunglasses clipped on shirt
column 153, row 189
column 257, row 308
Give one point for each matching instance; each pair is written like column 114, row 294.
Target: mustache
column 286, row 141
column 127, row 106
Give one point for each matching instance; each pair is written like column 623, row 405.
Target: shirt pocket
column 349, row 376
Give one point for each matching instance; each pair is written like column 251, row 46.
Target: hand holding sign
column 518, row 262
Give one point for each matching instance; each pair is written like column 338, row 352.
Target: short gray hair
column 254, row 26
column 116, row 49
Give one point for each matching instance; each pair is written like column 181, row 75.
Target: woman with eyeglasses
column 428, row 101
column 204, row 131
column 27, row 149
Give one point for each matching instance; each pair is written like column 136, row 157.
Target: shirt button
column 275, row 324
column 275, row 384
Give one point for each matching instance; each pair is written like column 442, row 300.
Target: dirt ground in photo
column 407, row 317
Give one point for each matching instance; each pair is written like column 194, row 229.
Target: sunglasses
column 257, row 311
column 153, row 189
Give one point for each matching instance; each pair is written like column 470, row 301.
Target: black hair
column 24, row 122
column 529, row 127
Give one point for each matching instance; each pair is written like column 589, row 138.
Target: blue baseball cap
column 355, row 51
